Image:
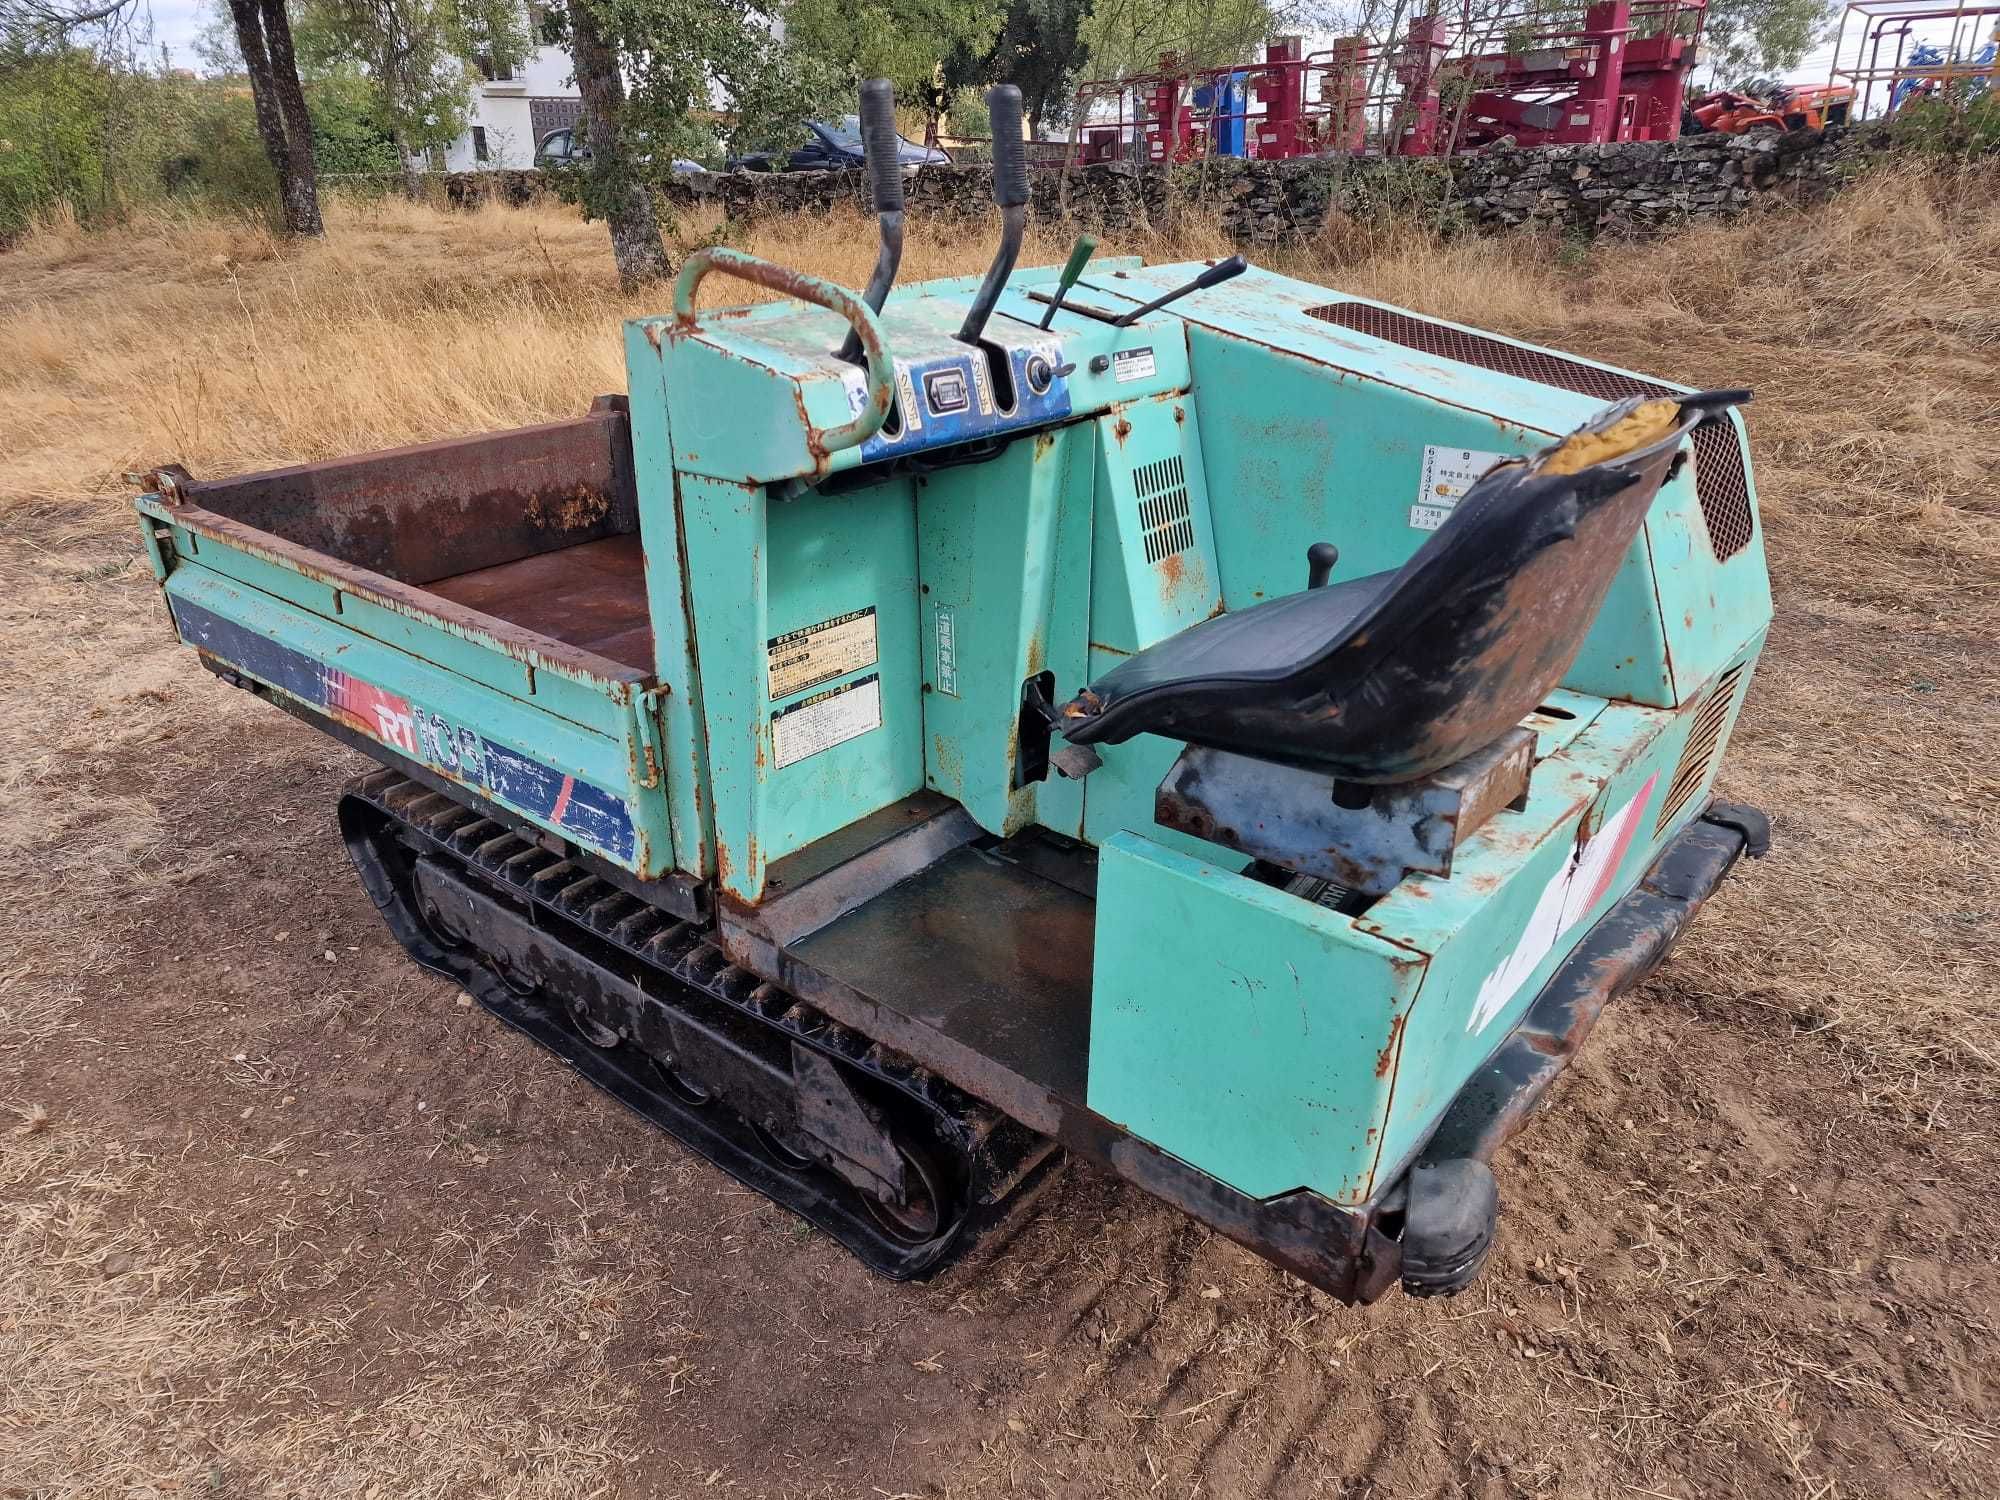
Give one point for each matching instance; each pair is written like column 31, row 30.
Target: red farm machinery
column 1611, row 71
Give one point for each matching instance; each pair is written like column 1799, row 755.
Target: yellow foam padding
column 1646, row 423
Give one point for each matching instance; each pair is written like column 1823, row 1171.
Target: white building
column 511, row 109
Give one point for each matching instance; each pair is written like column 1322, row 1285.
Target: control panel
column 961, row 395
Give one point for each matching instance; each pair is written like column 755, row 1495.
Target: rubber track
column 389, row 821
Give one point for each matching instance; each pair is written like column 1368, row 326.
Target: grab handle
column 789, row 283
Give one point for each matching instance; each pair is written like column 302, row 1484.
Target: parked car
column 834, row 146
column 565, row 148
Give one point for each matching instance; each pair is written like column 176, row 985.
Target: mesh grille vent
column 1166, row 523
column 1699, row 753
column 1723, row 487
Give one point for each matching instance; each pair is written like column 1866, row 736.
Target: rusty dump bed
column 591, row 594
column 529, row 534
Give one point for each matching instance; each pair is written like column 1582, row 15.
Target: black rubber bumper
column 1452, row 1201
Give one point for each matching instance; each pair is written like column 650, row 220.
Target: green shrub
column 96, row 141
column 51, row 138
column 207, row 149
column 1958, row 122
column 349, row 137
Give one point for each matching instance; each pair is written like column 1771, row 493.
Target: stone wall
column 1637, row 187
column 1630, row 188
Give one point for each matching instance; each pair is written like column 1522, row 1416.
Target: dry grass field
column 280, row 1216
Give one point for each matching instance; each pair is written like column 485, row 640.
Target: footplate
column 895, row 1164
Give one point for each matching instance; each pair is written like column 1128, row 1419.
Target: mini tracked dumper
column 1236, row 732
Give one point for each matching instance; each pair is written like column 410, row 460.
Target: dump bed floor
column 591, row 595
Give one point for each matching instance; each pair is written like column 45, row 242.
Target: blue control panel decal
column 950, row 398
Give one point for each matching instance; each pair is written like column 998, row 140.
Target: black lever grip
column 1218, row 273
column 1215, row 275
column 1010, row 156
column 879, row 144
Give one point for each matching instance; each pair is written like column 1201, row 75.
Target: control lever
column 885, row 181
column 1320, row 560
column 1215, row 275
column 1010, row 191
column 1079, row 257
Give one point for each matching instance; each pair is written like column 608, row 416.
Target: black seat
column 1396, row 675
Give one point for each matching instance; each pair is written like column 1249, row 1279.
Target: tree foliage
column 661, row 79
column 904, row 41
column 55, row 26
column 1128, row 36
column 704, row 76
column 351, row 134
column 417, row 55
column 1039, row 48
column 1755, row 36
column 91, row 138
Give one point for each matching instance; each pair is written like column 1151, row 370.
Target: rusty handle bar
column 807, row 288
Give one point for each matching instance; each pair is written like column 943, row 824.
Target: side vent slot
column 1720, row 481
column 1699, row 753
column 1166, row 521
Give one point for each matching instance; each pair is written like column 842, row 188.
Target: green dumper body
column 706, row 759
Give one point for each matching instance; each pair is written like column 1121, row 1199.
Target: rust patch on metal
column 591, row 595
column 815, row 438
column 581, row 507
column 1121, row 430
column 166, row 482
column 1386, row 1058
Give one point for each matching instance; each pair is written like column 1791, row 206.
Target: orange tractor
column 1759, row 105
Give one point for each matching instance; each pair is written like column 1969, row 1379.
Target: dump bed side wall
column 569, row 750
column 423, row 513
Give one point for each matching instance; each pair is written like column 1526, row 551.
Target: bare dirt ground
column 281, row 1215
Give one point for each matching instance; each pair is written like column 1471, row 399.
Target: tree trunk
column 289, row 146
column 302, row 178
column 615, row 191
column 413, row 187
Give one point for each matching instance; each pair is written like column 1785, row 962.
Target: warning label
column 800, row 659
column 1448, row 474
column 1133, row 364
column 826, row 719
column 947, row 649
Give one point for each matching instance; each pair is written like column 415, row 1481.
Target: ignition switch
column 1041, row 374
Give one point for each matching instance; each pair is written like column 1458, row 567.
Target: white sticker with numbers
column 1134, row 364
column 1448, row 474
column 826, row 719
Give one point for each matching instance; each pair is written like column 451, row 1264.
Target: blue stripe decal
column 584, row 811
